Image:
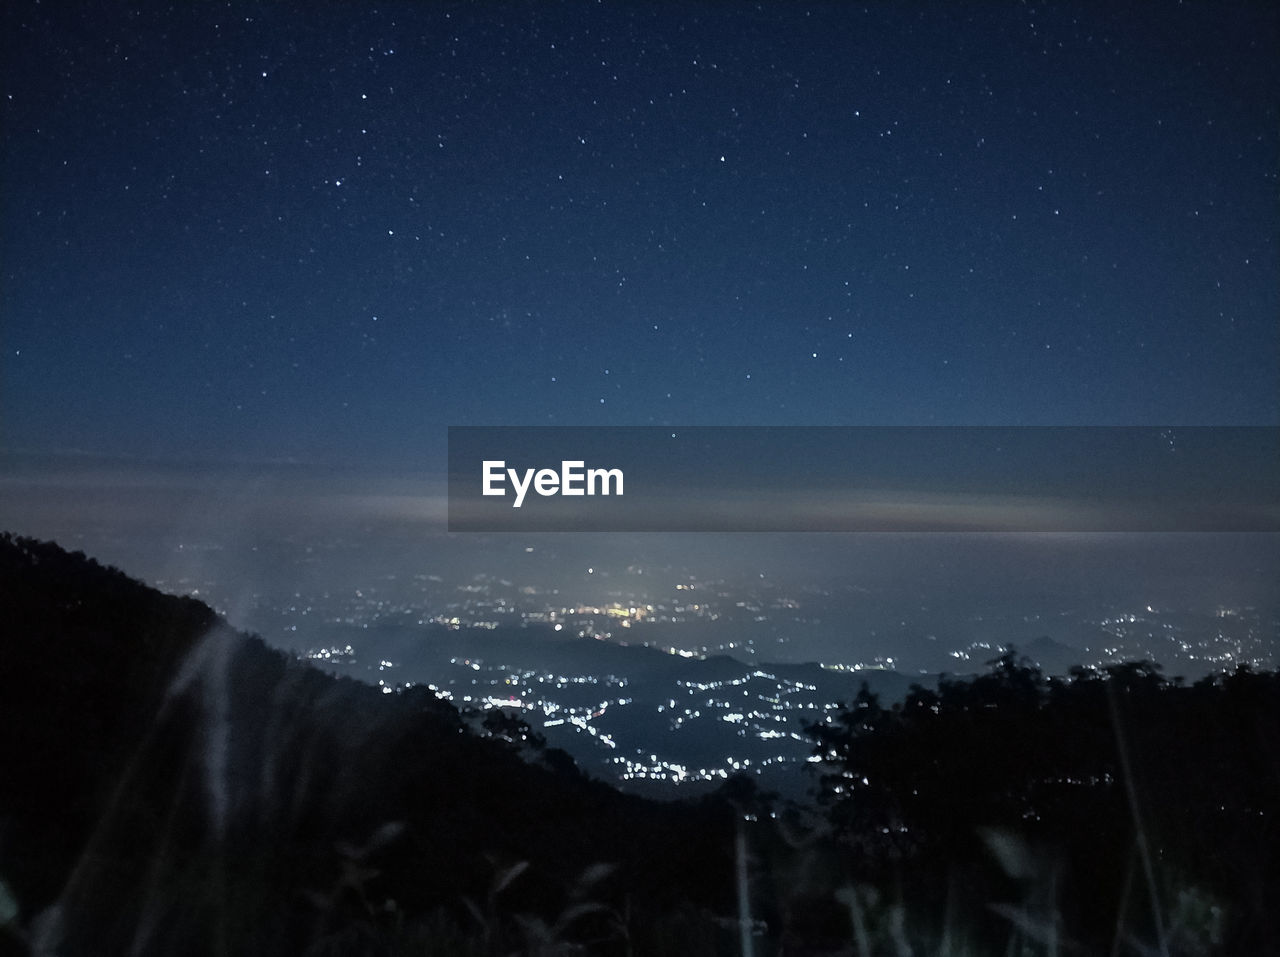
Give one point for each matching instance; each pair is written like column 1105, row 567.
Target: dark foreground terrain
column 169, row 785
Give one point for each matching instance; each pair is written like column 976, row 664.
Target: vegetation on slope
column 172, row 786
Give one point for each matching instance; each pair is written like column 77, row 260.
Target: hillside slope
column 174, row 786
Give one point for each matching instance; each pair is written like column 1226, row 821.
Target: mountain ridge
column 160, row 751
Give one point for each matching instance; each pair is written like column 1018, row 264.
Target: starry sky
column 324, row 232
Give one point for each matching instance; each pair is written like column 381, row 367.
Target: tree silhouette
column 1122, row 778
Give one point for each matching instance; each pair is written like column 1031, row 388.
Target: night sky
column 324, row 232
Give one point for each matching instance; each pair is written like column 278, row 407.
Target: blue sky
column 325, row 232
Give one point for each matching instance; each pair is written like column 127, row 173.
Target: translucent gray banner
column 907, row 479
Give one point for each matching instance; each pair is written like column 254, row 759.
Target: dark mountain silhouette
column 169, row 785
column 173, row 786
column 1051, row 657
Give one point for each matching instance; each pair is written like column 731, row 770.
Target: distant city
column 655, row 677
